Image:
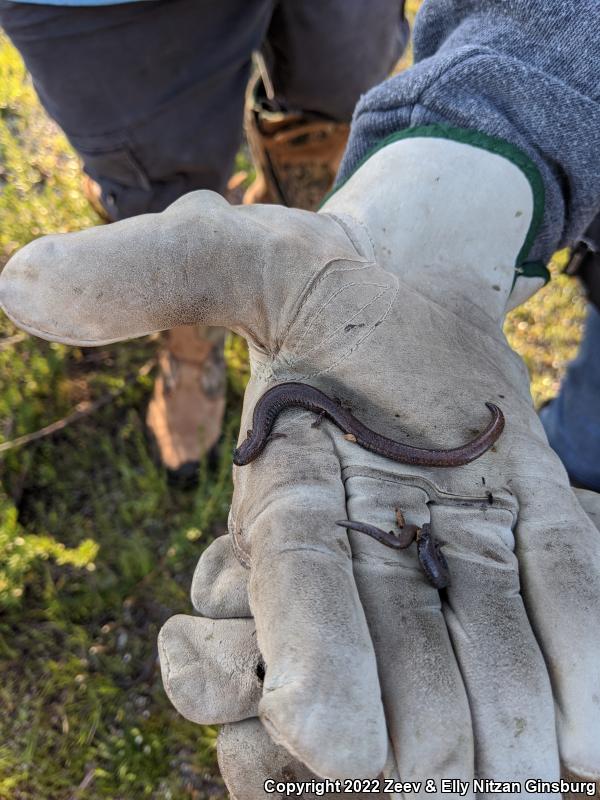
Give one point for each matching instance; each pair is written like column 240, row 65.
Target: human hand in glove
column 214, row 671
column 390, row 299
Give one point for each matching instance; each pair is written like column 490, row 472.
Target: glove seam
column 435, row 496
column 346, row 354
column 312, row 283
column 324, row 305
column 350, row 233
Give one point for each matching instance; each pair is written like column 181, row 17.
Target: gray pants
column 151, row 94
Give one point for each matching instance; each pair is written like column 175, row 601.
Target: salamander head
column 247, row 451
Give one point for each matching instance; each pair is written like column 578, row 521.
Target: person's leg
column 323, row 54
column 320, row 56
column 151, row 96
column 572, row 419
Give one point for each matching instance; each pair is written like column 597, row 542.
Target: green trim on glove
column 532, row 269
column 502, row 148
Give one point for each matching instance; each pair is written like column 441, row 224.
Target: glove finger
column 322, row 698
column 427, row 711
column 220, row 583
column 212, row 670
column 199, row 261
column 503, row 669
column 248, row 758
column 559, row 551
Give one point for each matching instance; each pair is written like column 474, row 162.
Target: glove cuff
column 471, row 203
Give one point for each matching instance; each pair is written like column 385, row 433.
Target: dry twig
column 83, row 409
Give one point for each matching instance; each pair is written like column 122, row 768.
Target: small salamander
column 287, row 395
column 431, row 558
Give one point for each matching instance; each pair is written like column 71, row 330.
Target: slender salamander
column 431, row 558
column 287, row 395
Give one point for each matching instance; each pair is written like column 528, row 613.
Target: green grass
column 95, row 550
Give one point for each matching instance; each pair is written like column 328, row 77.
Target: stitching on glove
column 242, row 555
column 332, row 297
column 329, row 300
column 345, row 354
column 352, row 235
column 435, row 494
column 312, row 283
column 317, row 283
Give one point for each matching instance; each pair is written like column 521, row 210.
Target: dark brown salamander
column 431, row 558
column 398, row 541
column 287, row 395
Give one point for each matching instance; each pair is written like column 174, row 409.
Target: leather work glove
column 392, row 300
column 214, row 671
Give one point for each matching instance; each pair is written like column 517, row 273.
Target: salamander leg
column 318, row 421
column 273, row 436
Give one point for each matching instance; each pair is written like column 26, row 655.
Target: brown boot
column 186, row 410
column 93, row 194
column 296, row 155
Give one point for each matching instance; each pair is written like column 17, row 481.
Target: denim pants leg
column 322, row 55
column 572, row 420
column 151, row 93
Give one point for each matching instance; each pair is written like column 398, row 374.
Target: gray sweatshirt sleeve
column 525, row 71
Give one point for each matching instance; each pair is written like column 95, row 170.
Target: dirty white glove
column 216, row 670
column 391, row 299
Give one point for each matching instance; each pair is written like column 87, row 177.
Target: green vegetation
column 95, row 550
